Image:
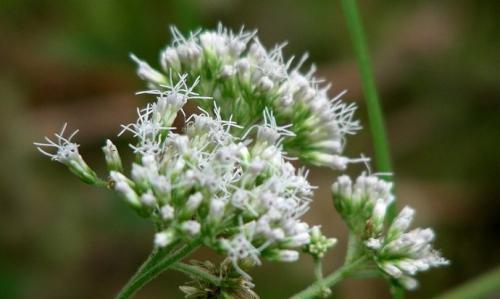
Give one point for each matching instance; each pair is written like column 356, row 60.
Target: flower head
column 399, row 254
column 240, row 195
column 245, row 78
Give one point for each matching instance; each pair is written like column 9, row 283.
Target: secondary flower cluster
column 244, row 78
column 398, row 253
column 239, row 196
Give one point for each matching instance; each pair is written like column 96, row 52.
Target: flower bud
column 287, row 256
column 265, row 83
column 164, row 238
column 298, row 240
column 191, row 227
column 193, row 202
column 148, row 199
column 113, row 160
column 401, row 223
column 170, row 60
column 167, row 212
column 123, row 186
column 217, row 207
column 146, row 72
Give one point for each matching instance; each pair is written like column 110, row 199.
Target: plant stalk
column 480, row 287
column 153, row 267
column 375, row 115
column 316, row 289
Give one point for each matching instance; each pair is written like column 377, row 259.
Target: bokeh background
column 437, row 65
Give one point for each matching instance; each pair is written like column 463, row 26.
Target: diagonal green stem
column 480, row 287
column 317, row 288
column 375, row 115
column 154, row 266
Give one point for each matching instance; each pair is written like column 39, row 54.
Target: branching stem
column 316, row 289
column 154, row 266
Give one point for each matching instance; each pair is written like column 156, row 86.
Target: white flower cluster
column 239, row 196
column 398, row 253
column 224, row 179
column 244, row 78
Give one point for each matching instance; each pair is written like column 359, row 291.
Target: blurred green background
column 437, row 65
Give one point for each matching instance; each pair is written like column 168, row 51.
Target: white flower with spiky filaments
column 245, row 78
column 66, row 150
column 67, row 154
column 156, row 118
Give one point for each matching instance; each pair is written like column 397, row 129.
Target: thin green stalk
column 397, row 292
column 197, row 272
column 480, row 287
column 353, row 248
column 190, row 270
column 155, row 255
column 375, row 115
column 317, row 288
column 318, row 269
column 146, row 274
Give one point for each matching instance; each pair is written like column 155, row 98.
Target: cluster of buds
column 319, row 244
column 244, row 78
column 240, row 196
column 398, row 254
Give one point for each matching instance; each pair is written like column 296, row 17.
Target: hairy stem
column 480, row 287
column 153, row 267
column 375, row 116
column 317, row 288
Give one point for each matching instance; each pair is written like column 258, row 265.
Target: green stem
column 155, row 255
column 480, row 287
column 150, row 270
column 197, row 273
column 318, row 269
column 353, row 248
column 375, row 116
column 318, row 273
column 317, row 288
column 152, row 259
column 397, row 292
